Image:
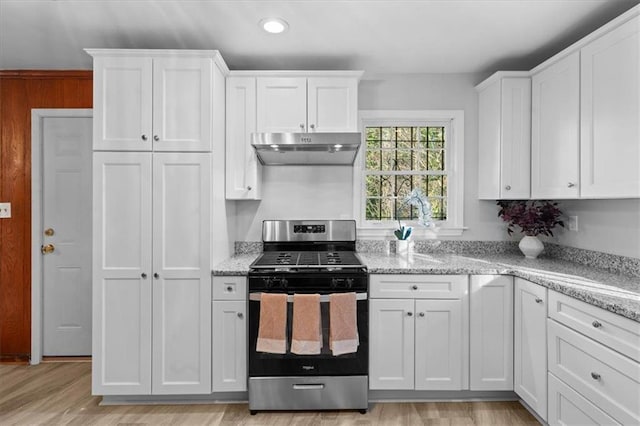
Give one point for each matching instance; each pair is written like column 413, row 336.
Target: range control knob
column 283, row 282
column 267, row 282
column 334, row 283
column 349, row 282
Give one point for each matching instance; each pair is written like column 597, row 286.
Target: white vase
column 531, row 247
column 403, row 246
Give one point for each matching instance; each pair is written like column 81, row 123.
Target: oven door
column 324, row 364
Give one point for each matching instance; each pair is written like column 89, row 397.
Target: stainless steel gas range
column 316, row 259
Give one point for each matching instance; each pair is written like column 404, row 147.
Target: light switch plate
column 5, row 210
column 573, row 223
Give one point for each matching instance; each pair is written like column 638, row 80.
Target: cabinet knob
column 240, row 315
column 229, row 288
column 595, row 376
column 409, row 314
column 596, row 324
column 143, row 275
column 144, row 137
column 313, row 126
column 421, row 314
column 156, row 138
column 249, row 188
column 538, row 300
column 414, row 287
column 302, row 127
column 571, row 185
column 508, row 187
column 156, row 275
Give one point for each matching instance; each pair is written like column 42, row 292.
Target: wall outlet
column 5, row 210
column 573, row 223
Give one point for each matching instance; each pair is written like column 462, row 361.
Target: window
column 403, row 151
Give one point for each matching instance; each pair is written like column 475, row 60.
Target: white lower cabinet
column 530, row 345
column 491, row 332
column 229, row 334
column 418, row 343
column 151, row 266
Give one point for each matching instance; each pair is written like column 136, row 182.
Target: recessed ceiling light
column 274, row 25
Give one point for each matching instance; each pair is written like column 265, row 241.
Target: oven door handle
column 323, row 298
column 310, row 386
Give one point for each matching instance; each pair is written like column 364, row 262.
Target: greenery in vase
column 535, row 217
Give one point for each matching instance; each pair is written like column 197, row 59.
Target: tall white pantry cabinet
column 152, row 219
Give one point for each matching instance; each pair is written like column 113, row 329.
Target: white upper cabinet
column 154, row 100
column 555, row 133
column 308, row 104
column 244, row 171
column 504, row 149
column 610, row 114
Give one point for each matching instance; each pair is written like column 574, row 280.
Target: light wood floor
column 60, row 393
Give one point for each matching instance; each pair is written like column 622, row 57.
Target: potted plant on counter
column 535, row 217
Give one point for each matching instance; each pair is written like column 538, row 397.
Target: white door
column 491, row 332
column 181, row 273
column 229, row 345
column 182, row 107
column 555, row 130
column 281, row 104
column 121, row 273
column 439, row 355
column 66, row 217
column 333, row 104
column 122, row 93
column 391, row 344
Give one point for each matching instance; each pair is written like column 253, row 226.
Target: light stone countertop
column 614, row 292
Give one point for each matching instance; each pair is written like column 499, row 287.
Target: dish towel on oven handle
column 272, row 330
column 343, row 323
column 307, row 329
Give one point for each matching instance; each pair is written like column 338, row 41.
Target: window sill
column 385, row 232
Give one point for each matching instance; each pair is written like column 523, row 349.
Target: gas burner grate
column 308, row 259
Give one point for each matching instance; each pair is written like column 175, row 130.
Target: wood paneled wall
column 20, row 91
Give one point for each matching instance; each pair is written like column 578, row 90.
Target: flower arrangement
column 419, row 199
column 534, row 217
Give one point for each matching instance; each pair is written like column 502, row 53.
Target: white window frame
column 454, row 165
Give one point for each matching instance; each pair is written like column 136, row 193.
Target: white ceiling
column 401, row 36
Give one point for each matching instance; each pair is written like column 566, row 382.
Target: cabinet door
column 332, row 104
column 391, row 340
column 555, row 132
column 439, row 352
column 121, row 274
column 282, row 104
column 182, row 104
column 243, row 171
column 530, row 340
column 181, row 266
column 122, row 89
column 610, row 112
column 229, row 345
column 491, row 332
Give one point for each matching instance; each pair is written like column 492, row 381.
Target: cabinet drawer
column 568, row 407
column 229, row 288
column 418, row 286
column 615, row 331
column 608, row 379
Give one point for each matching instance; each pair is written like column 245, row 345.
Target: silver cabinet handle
column 144, row 137
column 538, row 300
column 240, row 315
column 249, row 188
column 421, row 314
column 302, row 127
column 313, row 126
column 143, row 275
column 156, row 138
column 414, row 287
column 595, row 376
column 508, row 187
column 596, row 324
column 409, row 314
column 571, row 185
column 156, row 275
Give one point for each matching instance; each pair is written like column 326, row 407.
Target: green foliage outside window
column 398, row 160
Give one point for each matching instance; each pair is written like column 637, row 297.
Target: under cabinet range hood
column 274, row 149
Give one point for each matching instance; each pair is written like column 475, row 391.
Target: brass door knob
column 48, row 248
column 49, row 232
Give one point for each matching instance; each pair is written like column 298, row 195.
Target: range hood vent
column 275, row 149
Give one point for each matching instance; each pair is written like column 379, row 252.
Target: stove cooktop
column 307, row 259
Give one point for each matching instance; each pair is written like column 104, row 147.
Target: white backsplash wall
column 610, row 226
column 297, row 192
